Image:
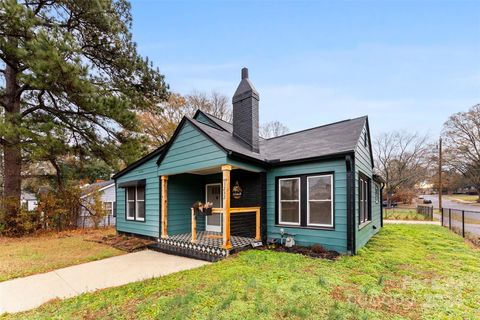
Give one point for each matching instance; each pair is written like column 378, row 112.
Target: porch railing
column 256, row 210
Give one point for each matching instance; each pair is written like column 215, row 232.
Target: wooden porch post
column 226, row 206
column 194, row 226
column 164, row 206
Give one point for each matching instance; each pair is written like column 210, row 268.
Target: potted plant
column 198, row 208
column 207, row 208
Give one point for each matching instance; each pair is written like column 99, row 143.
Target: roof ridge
column 317, row 127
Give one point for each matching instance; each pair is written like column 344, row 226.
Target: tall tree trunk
column 12, row 152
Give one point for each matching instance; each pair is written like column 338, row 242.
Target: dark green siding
column 190, row 151
column 332, row 239
column 363, row 164
column 205, row 120
column 150, row 227
column 183, row 191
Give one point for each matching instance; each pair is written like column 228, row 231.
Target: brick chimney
column 245, row 112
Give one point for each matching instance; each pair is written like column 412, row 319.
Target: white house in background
column 29, row 200
column 107, row 195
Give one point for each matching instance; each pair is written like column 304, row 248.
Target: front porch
column 235, row 222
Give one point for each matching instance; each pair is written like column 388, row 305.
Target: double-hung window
column 108, row 207
column 135, row 205
column 364, row 200
column 320, row 201
column 306, row 201
column 289, row 201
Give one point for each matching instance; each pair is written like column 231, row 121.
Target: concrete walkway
column 411, row 222
column 27, row 293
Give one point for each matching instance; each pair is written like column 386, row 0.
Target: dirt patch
column 124, row 243
column 315, row 251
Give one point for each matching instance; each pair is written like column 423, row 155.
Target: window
column 108, row 207
column 320, row 201
column 140, row 210
column 130, row 203
column 306, row 201
column 364, row 201
column 377, row 194
column 289, row 201
column 135, row 206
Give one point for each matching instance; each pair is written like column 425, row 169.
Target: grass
column 463, row 197
column 30, row 255
column 403, row 214
column 405, row 272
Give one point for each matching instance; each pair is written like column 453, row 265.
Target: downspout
column 351, row 243
column 381, row 204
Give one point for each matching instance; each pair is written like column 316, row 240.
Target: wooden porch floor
column 209, row 245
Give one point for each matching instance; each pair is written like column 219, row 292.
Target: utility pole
column 440, row 187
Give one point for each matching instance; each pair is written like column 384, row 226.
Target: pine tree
column 72, row 82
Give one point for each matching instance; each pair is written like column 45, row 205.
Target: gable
column 363, row 154
column 190, row 150
column 201, row 117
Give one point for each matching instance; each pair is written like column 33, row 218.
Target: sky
column 408, row 65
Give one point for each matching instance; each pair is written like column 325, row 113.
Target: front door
column 213, row 194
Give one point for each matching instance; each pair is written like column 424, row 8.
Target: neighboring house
column 29, row 200
column 315, row 186
column 107, row 196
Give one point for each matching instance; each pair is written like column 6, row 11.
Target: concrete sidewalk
column 32, row 291
column 411, row 222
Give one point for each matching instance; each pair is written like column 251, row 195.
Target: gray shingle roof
column 96, row 186
column 330, row 139
column 334, row 138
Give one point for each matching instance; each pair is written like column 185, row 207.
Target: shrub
column 21, row 223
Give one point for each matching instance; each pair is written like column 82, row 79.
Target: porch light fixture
column 237, row 191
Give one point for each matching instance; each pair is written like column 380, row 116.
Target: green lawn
column 402, row 214
column 25, row 256
column 463, row 197
column 405, row 272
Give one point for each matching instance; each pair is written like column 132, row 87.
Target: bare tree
column 461, row 134
column 158, row 125
column 273, row 129
column 216, row 104
column 402, row 159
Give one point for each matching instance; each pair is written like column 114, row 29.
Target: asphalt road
column 472, row 214
column 446, row 203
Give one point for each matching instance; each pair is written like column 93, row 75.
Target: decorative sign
column 236, row 191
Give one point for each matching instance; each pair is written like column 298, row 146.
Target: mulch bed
column 315, row 251
column 124, row 243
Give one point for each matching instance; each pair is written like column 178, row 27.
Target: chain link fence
column 463, row 222
column 84, row 222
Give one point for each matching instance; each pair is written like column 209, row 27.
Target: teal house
column 217, row 187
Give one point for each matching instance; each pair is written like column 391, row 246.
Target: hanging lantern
column 236, row 191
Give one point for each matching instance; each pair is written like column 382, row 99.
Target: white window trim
column 331, row 201
column 280, row 201
column 137, row 218
column 111, row 210
column 364, row 202
column 127, row 216
column 214, row 228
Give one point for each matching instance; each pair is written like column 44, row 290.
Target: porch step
column 191, row 250
column 203, row 250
